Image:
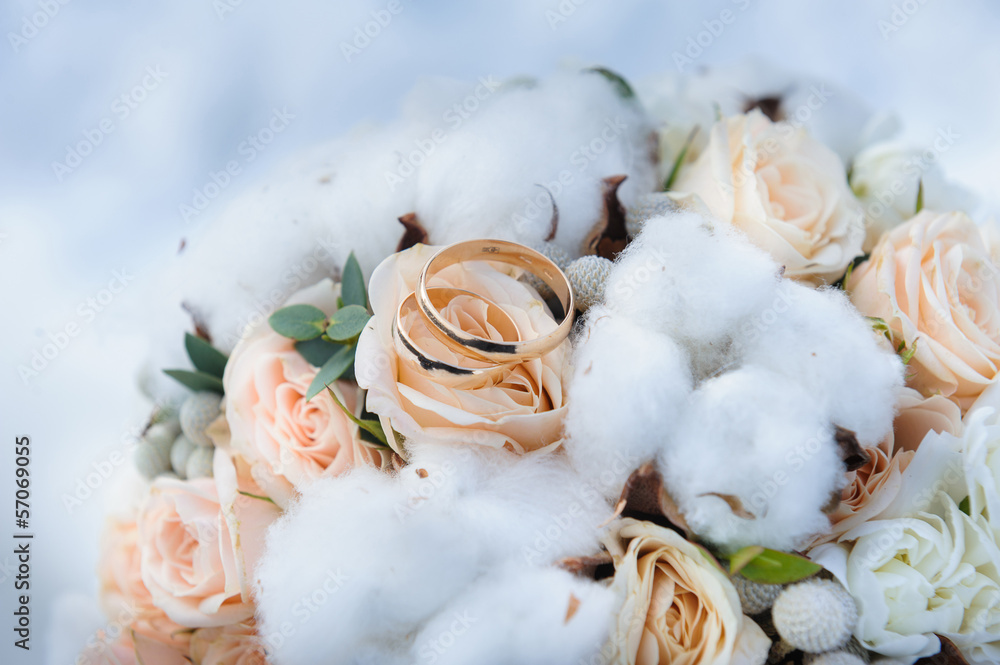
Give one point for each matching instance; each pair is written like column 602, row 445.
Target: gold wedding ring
column 483, row 371
column 500, row 251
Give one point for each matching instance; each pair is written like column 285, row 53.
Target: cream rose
column 287, row 440
column 914, row 578
column 935, row 284
column 678, row 608
column 874, row 487
column 187, row 556
column 523, row 413
column 124, row 598
column 786, row 191
column 230, row 645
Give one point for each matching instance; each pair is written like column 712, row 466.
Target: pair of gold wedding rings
column 484, row 361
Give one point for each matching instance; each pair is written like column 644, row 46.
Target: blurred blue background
column 160, row 95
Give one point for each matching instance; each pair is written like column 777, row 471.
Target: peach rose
column 873, row 487
column 287, row 440
column 679, row 608
column 187, row 556
column 524, row 412
column 132, row 649
column 231, row 645
column 935, row 284
column 124, row 597
column 785, row 190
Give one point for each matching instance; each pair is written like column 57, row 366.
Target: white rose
column 886, row 177
column 981, row 456
column 914, row 578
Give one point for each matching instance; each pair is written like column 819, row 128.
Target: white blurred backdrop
column 162, row 94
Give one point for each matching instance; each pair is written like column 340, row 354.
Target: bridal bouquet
column 700, row 370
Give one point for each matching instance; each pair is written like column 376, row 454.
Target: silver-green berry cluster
column 755, row 597
column 198, row 412
column 815, row 616
column 554, row 253
column 152, row 454
column 588, row 275
column 653, row 204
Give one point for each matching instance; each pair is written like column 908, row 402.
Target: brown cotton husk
column 609, row 238
column 413, row 232
column 645, row 494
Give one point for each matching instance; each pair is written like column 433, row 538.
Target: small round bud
column 815, row 616
column 199, row 463
column 198, row 412
column 588, row 275
column 179, row 454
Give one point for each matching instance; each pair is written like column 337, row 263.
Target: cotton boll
column 629, row 389
column 753, row 462
column 696, row 283
column 818, row 339
column 352, row 572
column 535, row 509
column 520, row 617
column 565, row 134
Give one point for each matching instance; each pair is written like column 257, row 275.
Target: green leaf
column 299, row 322
column 347, row 323
column 771, row 567
column 331, row 370
column 681, row 156
column 352, row 283
column 196, row 381
column 255, row 496
column 739, row 560
column 317, row 351
column 622, row 86
column 204, row 356
column 920, row 196
column 373, row 427
column 906, row 354
column 965, row 506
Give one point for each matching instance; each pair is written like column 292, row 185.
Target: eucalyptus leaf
column 352, row 283
column 772, row 567
column 317, row 351
column 331, row 370
column 299, row 322
column 196, row 381
column 205, row 357
column 920, row 196
column 373, row 427
column 347, row 323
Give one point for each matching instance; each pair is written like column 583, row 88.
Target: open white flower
column 914, row 578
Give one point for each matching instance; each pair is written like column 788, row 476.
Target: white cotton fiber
column 519, row 616
column 817, row 338
column 535, row 509
column 629, row 388
column 344, row 572
column 566, row 133
column 696, row 283
column 753, row 461
column 397, row 549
